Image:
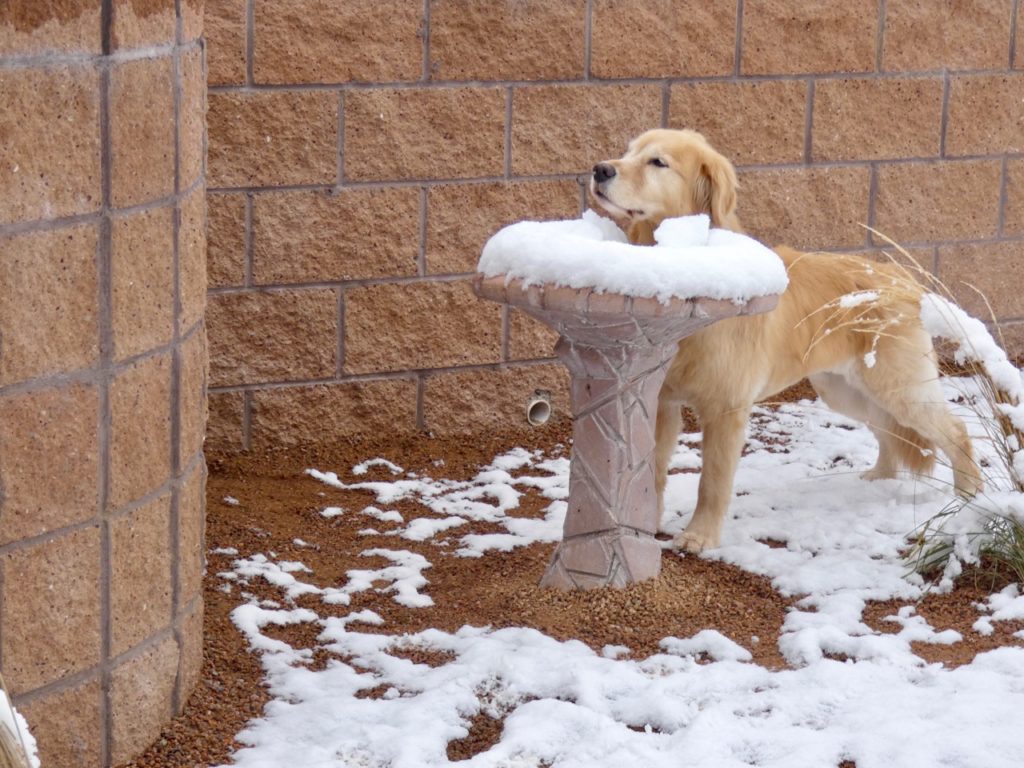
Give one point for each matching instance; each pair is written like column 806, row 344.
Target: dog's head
column 666, row 173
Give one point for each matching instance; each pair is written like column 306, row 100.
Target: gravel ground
column 279, row 503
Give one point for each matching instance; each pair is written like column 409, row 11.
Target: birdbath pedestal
column 617, row 349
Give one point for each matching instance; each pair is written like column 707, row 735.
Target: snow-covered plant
column 974, row 529
column 17, row 747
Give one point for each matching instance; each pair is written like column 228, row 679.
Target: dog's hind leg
column 721, row 444
column 906, row 385
column 897, row 445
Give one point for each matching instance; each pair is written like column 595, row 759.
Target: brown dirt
column 280, row 503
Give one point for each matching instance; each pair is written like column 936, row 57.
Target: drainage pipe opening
column 538, row 408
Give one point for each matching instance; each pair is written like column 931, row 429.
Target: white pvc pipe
column 538, row 408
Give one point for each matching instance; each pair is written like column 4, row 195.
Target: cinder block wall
column 361, row 152
column 102, row 369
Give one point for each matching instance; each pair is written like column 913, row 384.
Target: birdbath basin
column 617, row 346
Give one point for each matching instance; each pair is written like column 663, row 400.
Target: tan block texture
column 541, row 40
column 322, row 413
column 994, row 269
column 319, row 41
column 142, row 269
column 1012, row 336
column 801, row 36
column 272, row 138
column 225, row 248
column 1000, row 98
column 925, row 202
column 140, row 440
column 811, row 208
column 419, row 325
column 225, row 431
column 140, row 694
column 42, row 493
column 654, row 38
column 191, row 522
column 48, row 312
column 191, row 652
column 877, row 119
column 102, row 393
column 272, row 336
column 529, row 339
column 67, row 725
column 1018, row 47
column 193, row 118
column 192, row 13
column 140, row 579
column 750, row 122
column 193, row 367
column 47, row 639
column 192, row 259
column 49, row 143
column 421, row 134
column 568, row 128
column 32, row 27
column 225, row 41
column 142, row 131
column 925, row 35
column 1014, row 216
column 301, row 237
column 142, row 23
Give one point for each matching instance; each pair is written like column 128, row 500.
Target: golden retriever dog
column 867, row 356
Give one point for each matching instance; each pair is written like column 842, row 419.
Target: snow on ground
column 565, row 705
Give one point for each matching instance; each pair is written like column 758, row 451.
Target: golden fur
column 870, row 360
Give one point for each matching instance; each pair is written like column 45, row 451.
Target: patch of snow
column 363, row 467
column 1007, row 605
column 707, row 642
column 385, row 516
column 850, row 300
column 405, row 575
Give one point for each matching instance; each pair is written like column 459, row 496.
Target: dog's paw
column 967, row 486
column 695, row 542
column 876, row 473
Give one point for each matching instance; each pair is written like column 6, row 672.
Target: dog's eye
column 658, row 162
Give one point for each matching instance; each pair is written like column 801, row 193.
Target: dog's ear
column 715, row 190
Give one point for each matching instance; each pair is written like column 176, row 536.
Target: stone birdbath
column 620, row 311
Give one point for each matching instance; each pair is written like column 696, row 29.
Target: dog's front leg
column 721, row 445
column 666, row 439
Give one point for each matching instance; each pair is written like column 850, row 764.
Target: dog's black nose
column 603, row 172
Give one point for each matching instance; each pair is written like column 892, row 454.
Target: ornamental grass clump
column 988, row 528
column 14, row 752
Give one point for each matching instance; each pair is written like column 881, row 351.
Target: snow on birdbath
column 620, row 310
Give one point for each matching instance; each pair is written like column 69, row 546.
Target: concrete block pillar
column 102, row 369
